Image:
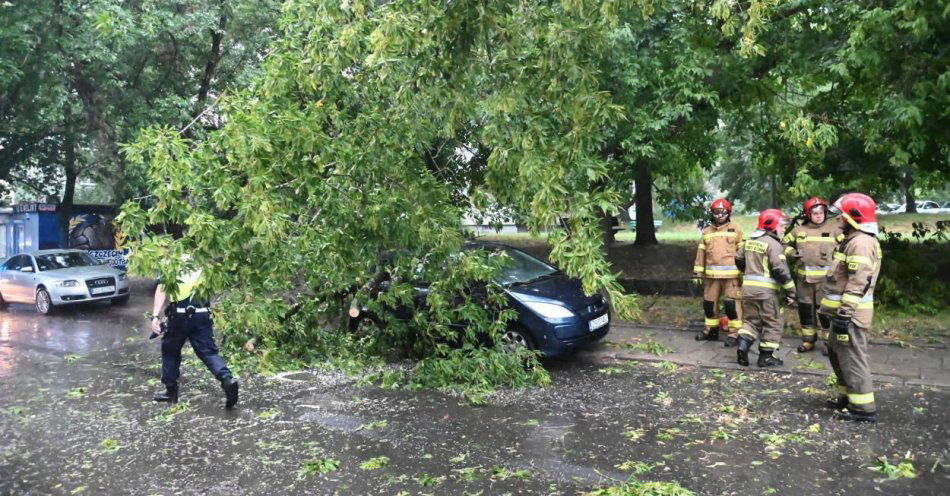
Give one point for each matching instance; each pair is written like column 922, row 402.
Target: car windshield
column 522, row 268
column 64, row 260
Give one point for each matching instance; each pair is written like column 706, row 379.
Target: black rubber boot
column 850, row 416
column 767, row 360
column 169, row 396
column 837, row 404
column 230, row 386
column 712, row 335
column 742, row 351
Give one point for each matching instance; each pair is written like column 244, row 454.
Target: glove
column 698, row 281
column 839, row 325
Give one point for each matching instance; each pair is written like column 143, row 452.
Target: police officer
column 188, row 319
column 765, row 272
column 716, row 263
column 847, row 306
column 810, row 246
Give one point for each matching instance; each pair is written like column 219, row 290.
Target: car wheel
column 515, row 338
column 44, row 303
column 121, row 301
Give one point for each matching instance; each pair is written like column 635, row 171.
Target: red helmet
column 814, row 202
column 721, row 203
column 858, row 209
column 770, row 219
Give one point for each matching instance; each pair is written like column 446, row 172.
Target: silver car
column 50, row 278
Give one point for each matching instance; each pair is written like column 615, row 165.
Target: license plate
column 103, row 290
column 599, row 322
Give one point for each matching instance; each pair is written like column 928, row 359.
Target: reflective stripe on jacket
column 716, row 254
column 848, row 291
column 766, row 270
column 810, row 247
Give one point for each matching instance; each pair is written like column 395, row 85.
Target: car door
column 24, row 281
column 6, row 278
column 11, row 279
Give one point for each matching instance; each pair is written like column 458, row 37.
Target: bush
column 913, row 274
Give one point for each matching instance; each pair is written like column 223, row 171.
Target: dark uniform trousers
column 849, row 359
column 197, row 329
column 762, row 318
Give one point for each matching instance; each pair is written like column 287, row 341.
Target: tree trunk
column 65, row 208
column 909, row 189
column 214, row 57
column 646, row 233
column 607, row 223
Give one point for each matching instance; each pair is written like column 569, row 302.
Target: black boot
column 851, row 416
column 837, row 404
column 230, row 387
column 767, row 360
column 712, row 335
column 742, row 350
column 169, row 396
column 730, row 341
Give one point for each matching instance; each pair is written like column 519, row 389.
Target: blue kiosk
column 39, row 226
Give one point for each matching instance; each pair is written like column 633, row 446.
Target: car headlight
column 68, row 284
column 123, row 276
column 549, row 310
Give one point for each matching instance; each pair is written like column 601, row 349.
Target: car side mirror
column 26, row 269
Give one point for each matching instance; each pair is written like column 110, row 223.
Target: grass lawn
column 888, row 324
column 678, row 232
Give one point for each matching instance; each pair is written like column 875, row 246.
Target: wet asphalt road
column 75, row 418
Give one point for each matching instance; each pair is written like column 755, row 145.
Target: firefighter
column 765, row 272
column 716, row 263
column 810, row 246
column 847, row 306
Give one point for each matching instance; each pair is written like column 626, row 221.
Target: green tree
column 850, row 95
column 77, row 78
column 659, row 69
column 327, row 161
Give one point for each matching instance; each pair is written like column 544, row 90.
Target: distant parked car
column 887, row 208
column 51, row 278
column 923, row 207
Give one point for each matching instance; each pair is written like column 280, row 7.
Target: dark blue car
column 555, row 317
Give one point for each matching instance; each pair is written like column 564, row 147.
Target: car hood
column 558, row 288
column 81, row 272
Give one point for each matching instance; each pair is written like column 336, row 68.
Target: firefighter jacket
column 765, row 269
column 810, row 247
column 848, row 290
column 716, row 256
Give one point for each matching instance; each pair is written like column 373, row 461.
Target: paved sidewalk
column 913, row 366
